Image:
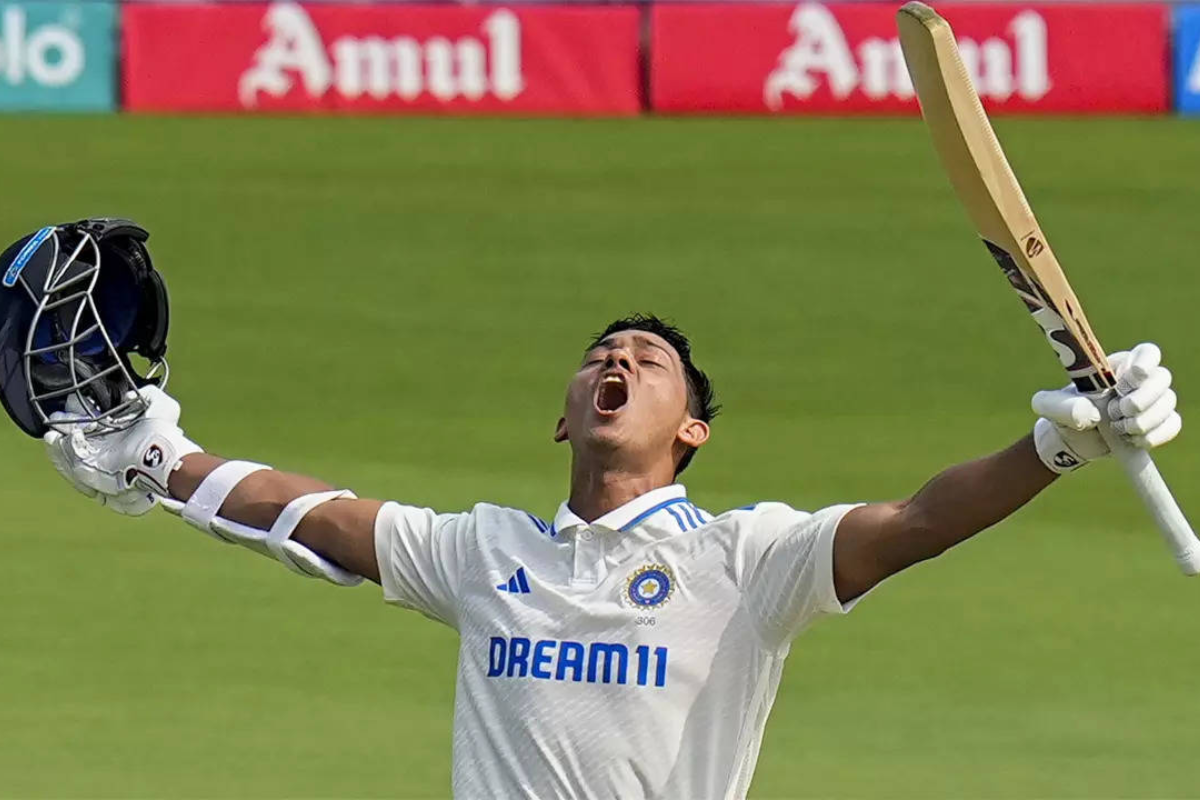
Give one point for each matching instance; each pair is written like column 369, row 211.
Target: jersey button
column 586, row 535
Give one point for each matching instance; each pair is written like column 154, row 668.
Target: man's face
column 630, row 395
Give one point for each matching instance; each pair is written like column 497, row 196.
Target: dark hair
column 702, row 402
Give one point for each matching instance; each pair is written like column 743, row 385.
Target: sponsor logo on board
column 379, row 67
column 339, row 58
column 845, row 58
column 57, row 55
column 1000, row 66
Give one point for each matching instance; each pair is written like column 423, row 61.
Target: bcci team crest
column 650, row 586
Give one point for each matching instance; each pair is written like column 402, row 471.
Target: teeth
column 613, row 379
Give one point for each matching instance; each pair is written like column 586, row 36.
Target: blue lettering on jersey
column 560, row 660
column 570, row 657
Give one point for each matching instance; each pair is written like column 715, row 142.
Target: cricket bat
column 987, row 187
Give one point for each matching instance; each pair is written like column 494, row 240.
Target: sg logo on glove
column 153, row 457
column 1065, row 460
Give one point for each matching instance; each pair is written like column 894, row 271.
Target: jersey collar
column 627, row 516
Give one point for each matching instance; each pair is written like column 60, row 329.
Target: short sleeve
column 420, row 553
column 789, row 569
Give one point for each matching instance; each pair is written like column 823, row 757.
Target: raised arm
column 878, row 540
column 302, row 522
column 341, row 530
column 311, row 528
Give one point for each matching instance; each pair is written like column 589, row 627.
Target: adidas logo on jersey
column 515, row 584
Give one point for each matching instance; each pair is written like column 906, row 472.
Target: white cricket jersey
column 634, row 657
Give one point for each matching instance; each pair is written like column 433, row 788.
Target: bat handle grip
column 1153, row 490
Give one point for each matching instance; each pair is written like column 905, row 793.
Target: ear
column 560, row 430
column 693, row 432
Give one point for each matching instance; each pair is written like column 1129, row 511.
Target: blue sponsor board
column 1186, row 59
column 58, row 56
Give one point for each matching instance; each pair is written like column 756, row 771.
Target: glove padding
column 1142, row 411
column 124, row 470
column 134, row 502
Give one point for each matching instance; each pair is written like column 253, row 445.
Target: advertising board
column 381, row 58
column 845, row 58
column 57, row 56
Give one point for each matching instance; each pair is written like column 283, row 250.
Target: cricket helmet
column 75, row 301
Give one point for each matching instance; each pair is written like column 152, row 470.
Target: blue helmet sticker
column 26, row 253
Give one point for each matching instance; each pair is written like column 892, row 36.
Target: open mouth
column 611, row 394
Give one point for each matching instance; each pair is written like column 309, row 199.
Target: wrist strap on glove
column 158, row 456
column 1054, row 451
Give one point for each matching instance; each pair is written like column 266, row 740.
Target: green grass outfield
column 396, row 305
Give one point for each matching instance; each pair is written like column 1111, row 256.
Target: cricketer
column 632, row 646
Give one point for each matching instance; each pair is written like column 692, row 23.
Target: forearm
column 878, row 540
column 340, row 530
column 967, row 498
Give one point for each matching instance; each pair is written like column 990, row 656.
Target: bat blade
column 988, row 189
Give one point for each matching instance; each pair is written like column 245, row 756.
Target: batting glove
column 124, row 470
column 1142, row 411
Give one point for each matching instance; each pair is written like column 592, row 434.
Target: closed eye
column 649, row 362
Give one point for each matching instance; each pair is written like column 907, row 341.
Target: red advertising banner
column 842, row 59
column 380, row 58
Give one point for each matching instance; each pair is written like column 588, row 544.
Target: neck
column 597, row 490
